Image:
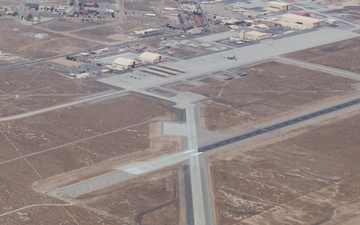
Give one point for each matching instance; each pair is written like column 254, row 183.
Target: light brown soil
column 90, row 158
column 35, row 87
column 98, row 150
column 14, row 41
column 15, row 185
column 342, row 55
column 74, row 215
column 110, row 32
column 149, row 199
column 146, row 200
column 348, row 12
column 310, row 178
column 84, row 122
column 185, row 51
column 70, row 24
column 270, row 89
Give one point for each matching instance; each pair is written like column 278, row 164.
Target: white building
column 150, row 57
column 302, row 20
column 125, row 63
column 278, row 6
column 256, row 35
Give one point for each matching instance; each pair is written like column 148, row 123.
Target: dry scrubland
column 70, row 24
column 29, row 88
column 343, row 55
column 146, row 200
column 78, row 149
column 79, row 143
column 14, row 41
column 311, row 178
column 350, row 13
column 110, row 32
column 270, row 89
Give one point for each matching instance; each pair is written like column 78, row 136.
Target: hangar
column 150, row 57
column 253, row 35
column 125, row 63
column 278, row 6
column 302, row 20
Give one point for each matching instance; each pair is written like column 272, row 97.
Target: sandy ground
column 342, row 55
column 150, row 199
column 156, row 198
column 70, row 24
column 29, row 47
column 111, row 32
column 35, row 87
column 304, row 176
column 79, row 150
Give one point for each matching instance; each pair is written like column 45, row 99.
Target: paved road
column 99, row 96
column 278, row 126
column 123, row 174
column 35, row 205
column 322, row 68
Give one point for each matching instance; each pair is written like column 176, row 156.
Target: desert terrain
column 26, row 46
column 146, row 200
column 77, row 150
column 311, row 176
column 39, row 86
column 343, row 55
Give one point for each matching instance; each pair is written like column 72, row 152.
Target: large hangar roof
column 297, row 18
column 279, row 3
column 149, row 57
column 121, row 61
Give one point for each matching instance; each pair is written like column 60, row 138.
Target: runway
column 278, row 126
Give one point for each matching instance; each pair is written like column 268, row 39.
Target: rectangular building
column 278, row 6
column 302, row 20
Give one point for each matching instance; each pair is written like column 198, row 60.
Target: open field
column 35, row 87
column 342, row 55
column 349, row 12
column 156, row 198
column 310, row 176
column 126, row 119
column 186, row 51
column 77, row 215
column 72, row 149
column 110, row 32
column 270, row 89
column 18, row 40
column 149, row 199
column 70, row 24
column 16, row 179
